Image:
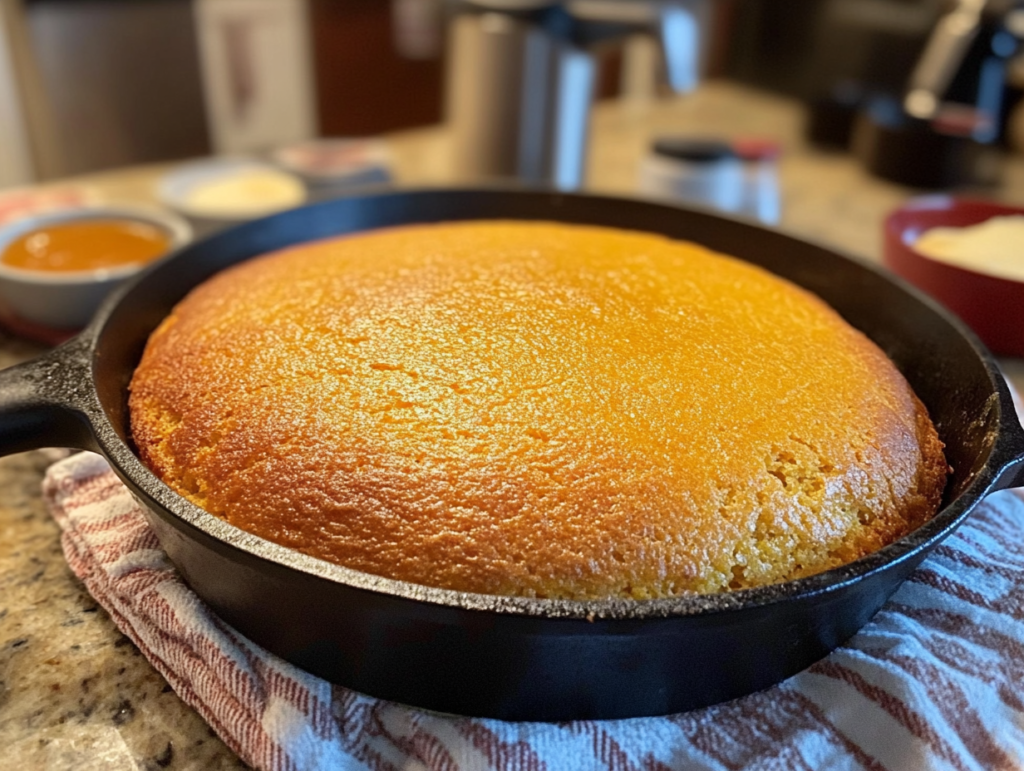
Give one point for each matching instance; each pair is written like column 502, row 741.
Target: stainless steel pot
column 521, row 79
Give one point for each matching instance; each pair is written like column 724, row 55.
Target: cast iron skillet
column 516, row 658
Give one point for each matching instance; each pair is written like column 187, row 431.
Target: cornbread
column 535, row 409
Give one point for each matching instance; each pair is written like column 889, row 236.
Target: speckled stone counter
column 76, row 694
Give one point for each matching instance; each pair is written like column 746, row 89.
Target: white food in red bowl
column 969, row 255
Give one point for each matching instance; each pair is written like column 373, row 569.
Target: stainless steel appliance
column 970, row 44
column 940, row 132
column 522, row 72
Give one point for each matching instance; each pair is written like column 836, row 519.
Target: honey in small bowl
column 87, row 245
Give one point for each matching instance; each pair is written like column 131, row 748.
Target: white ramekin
column 67, row 300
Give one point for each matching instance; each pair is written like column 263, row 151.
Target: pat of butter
column 995, row 246
column 246, row 192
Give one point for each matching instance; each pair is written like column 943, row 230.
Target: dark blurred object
column 953, row 104
column 923, row 94
column 965, row 60
column 862, row 48
column 912, row 151
column 805, row 47
column 836, row 54
column 364, row 84
column 832, row 54
column 873, row 43
column 830, row 116
column 771, row 44
column 693, row 150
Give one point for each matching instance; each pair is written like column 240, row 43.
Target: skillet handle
column 1014, row 474
column 1011, row 452
column 44, row 402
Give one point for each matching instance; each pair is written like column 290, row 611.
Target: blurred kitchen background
column 820, row 116
column 87, row 85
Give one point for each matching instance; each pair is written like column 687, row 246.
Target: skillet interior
column 537, row 659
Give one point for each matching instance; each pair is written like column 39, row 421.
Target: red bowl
column 992, row 306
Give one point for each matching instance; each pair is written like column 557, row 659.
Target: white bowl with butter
column 228, row 191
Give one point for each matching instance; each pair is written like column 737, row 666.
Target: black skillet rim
column 128, row 466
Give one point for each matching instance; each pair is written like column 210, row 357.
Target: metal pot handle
column 44, row 402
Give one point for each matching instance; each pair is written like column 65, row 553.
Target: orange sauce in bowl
column 87, row 245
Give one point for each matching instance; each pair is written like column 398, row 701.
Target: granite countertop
column 75, row 693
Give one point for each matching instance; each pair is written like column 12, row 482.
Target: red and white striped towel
column 934, row 681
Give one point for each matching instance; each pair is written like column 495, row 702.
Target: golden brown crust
column 535, row 409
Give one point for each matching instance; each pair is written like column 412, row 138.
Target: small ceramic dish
column 992, row 305
column 66, row 300
column 336, row 163
column 217, row 193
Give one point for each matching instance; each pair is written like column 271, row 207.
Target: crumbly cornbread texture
column 535, row 409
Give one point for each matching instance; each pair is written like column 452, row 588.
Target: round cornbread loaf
column 535, row 409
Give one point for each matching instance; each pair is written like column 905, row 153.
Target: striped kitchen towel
column 934, row 681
